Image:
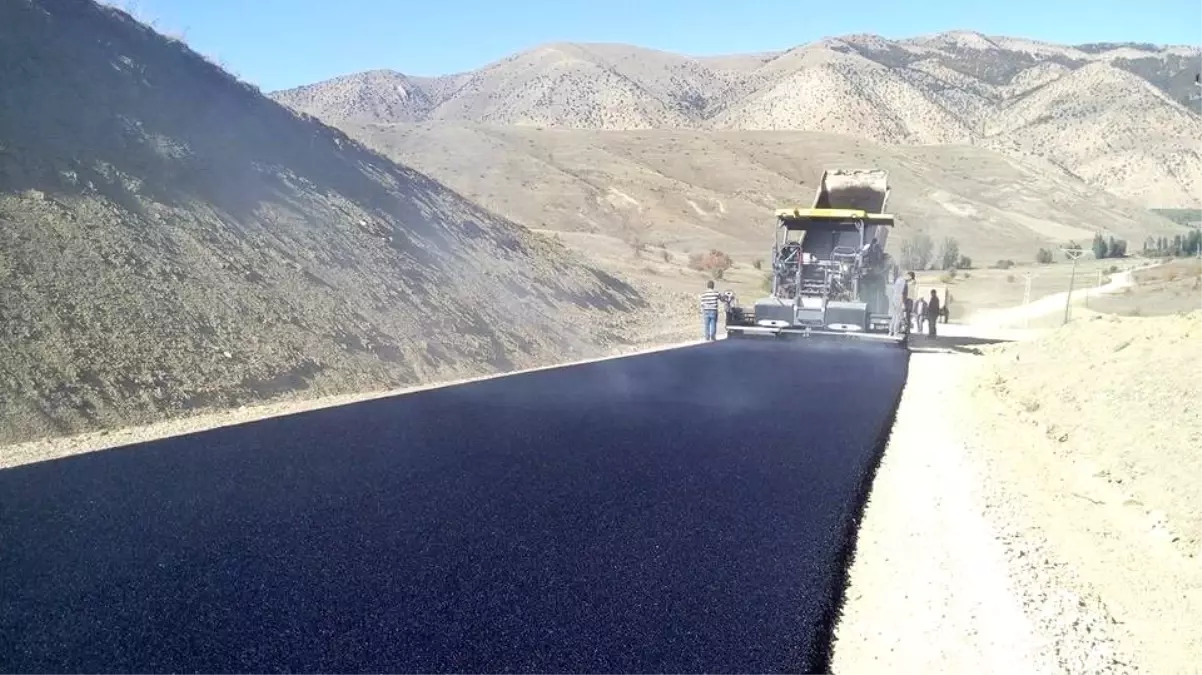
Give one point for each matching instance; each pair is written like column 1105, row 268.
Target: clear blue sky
column 283, row 43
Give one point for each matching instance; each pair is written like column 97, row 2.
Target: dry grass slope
column 1021, row 97
column 693, row 190
column 172, row 240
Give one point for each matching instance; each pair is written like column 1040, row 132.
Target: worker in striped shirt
column 709, row 311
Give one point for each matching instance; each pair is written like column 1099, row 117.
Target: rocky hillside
column 1021, row 97
column 173, row 240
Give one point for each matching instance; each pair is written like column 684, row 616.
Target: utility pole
column 1026, row 299
column 1071, row 254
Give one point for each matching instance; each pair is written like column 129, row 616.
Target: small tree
column 916, row 251
column 1100, row 249
column 965, row 263
column 1043, row 256
column 949, row 253
column 1193, row 241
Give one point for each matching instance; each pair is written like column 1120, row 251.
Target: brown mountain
column 957, row 87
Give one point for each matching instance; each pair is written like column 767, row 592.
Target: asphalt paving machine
column 830, row 273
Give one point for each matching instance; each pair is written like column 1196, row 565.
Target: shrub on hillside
column 715, row 262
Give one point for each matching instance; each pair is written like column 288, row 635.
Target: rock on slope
column 170, row 239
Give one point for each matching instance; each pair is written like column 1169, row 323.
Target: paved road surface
column 678, row 511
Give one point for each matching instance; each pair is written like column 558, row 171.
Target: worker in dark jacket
column 932, row 312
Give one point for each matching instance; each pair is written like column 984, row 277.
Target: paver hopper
column 830, row 272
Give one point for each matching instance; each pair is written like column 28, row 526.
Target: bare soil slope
column 1096, row 431
column 1171, row 288
column 1121, row 109
column 692, row 190
column 171, row 240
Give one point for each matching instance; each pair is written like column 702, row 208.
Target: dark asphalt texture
column 682, row 511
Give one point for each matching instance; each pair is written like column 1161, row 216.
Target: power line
column 1072, row 254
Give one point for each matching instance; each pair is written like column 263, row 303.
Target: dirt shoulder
column 1097, row 432
column 1037, row 508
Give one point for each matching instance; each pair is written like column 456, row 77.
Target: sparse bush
column 708, row 262
column 1003, row 264
column 948, row 276
column 1010, row 278
column 758, row 263
column 1112, row 269
column 667, row 255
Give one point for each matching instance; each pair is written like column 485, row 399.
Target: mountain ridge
column 951, row 87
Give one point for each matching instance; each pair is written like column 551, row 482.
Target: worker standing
column 920, row 313
column 709, row 311
column 932, row 312
column 897, row 308
column 907, row 301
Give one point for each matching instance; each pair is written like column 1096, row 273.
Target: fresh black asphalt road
column 681, row 511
